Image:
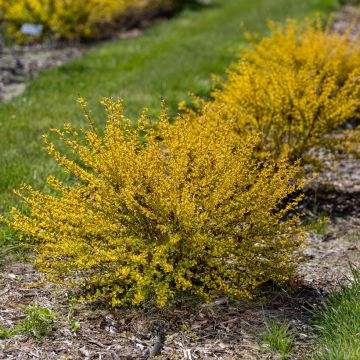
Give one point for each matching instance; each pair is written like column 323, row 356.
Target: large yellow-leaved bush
column 162, row 209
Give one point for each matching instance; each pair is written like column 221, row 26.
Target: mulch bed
column 19, row 64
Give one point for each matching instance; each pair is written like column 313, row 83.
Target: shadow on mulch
column 223, row 318
column 332, row 202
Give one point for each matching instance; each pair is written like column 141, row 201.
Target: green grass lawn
column 338, row 324
column 170, row 59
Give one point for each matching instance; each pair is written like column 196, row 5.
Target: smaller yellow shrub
column 296, row 88
column 162, row 209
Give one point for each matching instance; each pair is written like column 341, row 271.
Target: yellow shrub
column 296, row 88
column 68, row 18
column 160, row 210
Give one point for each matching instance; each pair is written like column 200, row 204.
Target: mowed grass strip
column 168, row 60
column 338, row 324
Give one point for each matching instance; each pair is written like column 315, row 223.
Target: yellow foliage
column 68, row 18
column 162, row 209
column 296, row 88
